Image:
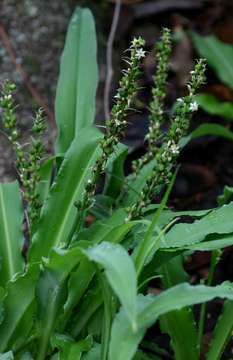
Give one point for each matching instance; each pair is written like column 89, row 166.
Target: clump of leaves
column 80, row 293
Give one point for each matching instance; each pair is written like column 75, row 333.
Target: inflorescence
column 27, row 163
column 117, row 123
column 156, row 115
column 165, row 156
column 169, row 151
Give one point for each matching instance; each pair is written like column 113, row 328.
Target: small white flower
column 174, row 149
column 193, row 106
column 180, row 100
column 117, row 123
column 140, row 53
column 117, row 96
column 137, row 42
column 8, row 97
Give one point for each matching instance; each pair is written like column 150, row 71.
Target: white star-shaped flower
column 140, row 53
column 193, row 106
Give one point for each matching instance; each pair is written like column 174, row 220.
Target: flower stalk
column 116, row 125
column 168, row 153
column 27, row 164
column 156, row 107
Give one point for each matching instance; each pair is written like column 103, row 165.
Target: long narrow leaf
column 51, row 293
column 213, row 106
column 120, row 272
column 218, row 54
column 217, row 221
column 76, row 89
column 113, row 229
column 148, row 244
column 11, row 235
column 179, row 324
column 59, row 212
column 20, row 296
column 150, row 308
column 222, row 332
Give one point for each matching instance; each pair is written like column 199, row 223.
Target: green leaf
column 77, row 83
column 187, row 294
column 217, row 221
column 207, row 129
column 11, row 235
column 222, row 332
column 101, row 230
column 69, row 348
column 109, row 308
column 2, row 294
column 167, row 215
column 179, row 324
column 137, row 184
column 227, row 195
column 148, row 244
column 87, row 308
column 19, row 337
column 59, row 213
column 52, row 293
column 7, row 356
column 123, row 334
column 218, row 54
column 120, row 272
column 211, row 129
column 102, row 207
column 94, row 353
column 19, row 298
column 150, row 308
column 45, row 178
column 213, row 106
column 211, row 245
column 115, row 172
column 112, row 228
column 25, row 356
column 77, row 285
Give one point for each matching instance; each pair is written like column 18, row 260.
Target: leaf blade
column 120, row 272
column 76, row 89
column 11, row 235
column 58, row 213
column 218, row 54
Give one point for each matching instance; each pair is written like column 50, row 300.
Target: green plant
column 78, row 294
column 219, row 58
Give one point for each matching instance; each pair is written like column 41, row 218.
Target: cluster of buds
column 156, row 117
column 9, row 122
column 28, row 165
column 35, row 155
column 168, row 153
column 117, row 123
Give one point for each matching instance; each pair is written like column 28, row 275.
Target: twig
column 25, row 78
column 109, row 75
